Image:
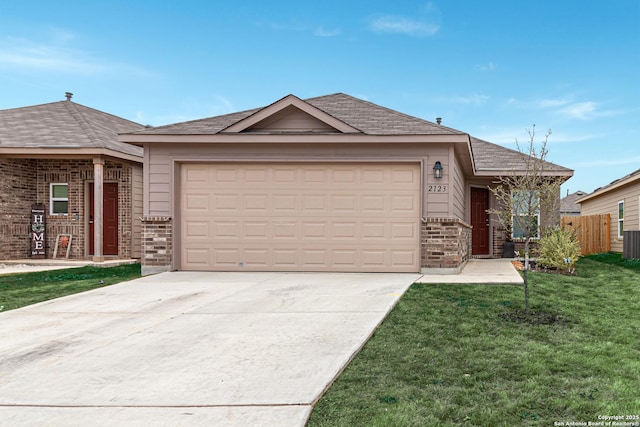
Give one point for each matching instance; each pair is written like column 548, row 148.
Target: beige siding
column 291, row 119
column 457, row 190
column 438, row 192
column 136, row 204
column 608, row 203
column 161, row 158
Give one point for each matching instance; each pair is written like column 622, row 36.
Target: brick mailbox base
column 446, row 245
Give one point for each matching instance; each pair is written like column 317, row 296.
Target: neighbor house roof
column 65, row 125
column 568, row 204
column 625, row 180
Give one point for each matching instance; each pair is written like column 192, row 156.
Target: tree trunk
column 526, row 270
column 526, row 292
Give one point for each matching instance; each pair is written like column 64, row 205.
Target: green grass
column 19, row 290
column 445, row 357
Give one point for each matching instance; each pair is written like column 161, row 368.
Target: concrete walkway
column 480, row 271
column 185, row 348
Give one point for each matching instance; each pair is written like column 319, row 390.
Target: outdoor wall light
column 437, row 170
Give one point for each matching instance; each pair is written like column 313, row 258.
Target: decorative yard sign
column 37, row 231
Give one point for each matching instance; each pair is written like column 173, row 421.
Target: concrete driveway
column 184, row 348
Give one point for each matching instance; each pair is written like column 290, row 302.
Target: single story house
column 332, row 183
column 68, row 187
column 568, row 205
column 621, row 200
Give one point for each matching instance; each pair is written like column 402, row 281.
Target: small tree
column 523, row 195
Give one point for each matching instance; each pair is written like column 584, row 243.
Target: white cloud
column 55, row 56
column 425, row 24
column 488, row 67
column 322, row 32
column 403, row 25
column 588, row 110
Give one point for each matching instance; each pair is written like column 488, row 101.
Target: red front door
column 479, row 221
column 109, row 219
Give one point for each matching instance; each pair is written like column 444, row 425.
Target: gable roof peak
column 321, row 120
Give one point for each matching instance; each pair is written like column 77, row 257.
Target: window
column 59, row 199
column 526, row 214
column 621, row 219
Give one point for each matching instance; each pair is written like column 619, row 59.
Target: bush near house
column 559, row 250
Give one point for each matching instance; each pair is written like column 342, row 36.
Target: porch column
column 98, row 178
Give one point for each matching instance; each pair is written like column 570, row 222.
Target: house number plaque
column 432, row 188
column 38, row 231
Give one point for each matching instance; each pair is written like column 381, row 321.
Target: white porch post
column 98, row 178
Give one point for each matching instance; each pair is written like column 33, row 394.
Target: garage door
column 300, row 217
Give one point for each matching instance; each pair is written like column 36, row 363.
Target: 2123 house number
column 436, row 188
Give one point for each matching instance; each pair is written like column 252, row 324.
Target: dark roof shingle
column 368, row 118
column 65, row 124
column 490, row 156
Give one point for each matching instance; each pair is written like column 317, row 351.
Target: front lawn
column 445, row 356
column 18, row 290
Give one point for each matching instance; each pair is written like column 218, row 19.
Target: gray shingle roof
column 369, row 118
column 490, row 156
column 568, row 204
column 625, row 180
column 63, row 124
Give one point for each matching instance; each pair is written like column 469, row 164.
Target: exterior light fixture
column 437, row 170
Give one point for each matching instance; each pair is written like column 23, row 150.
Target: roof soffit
column 280, row 109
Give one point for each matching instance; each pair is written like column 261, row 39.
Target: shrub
column 559, row 249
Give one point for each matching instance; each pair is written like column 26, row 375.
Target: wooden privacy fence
column 593, row 232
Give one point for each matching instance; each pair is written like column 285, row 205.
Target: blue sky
column 489, row 68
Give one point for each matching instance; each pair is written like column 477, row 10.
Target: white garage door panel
column 300, row 217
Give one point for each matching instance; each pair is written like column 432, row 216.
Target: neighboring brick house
column 67, row 158
column 621, row 200
column 332, row 183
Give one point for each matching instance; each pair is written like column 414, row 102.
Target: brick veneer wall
column 77, row 173
column 17, row 193
column 499, row 236
column 157, row 244
column 446, row 244
column 28, row 181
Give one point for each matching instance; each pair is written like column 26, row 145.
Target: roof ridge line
column 79, row 118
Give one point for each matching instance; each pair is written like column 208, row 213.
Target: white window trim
column 57, row 199
column 620, row 220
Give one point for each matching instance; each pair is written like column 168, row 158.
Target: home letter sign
column 37, row 231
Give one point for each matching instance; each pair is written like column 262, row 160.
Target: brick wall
column 28, row 181
column 446, row 244
column 499, row 235
column 17, row 193
column 157, row 244
column 77, row 173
